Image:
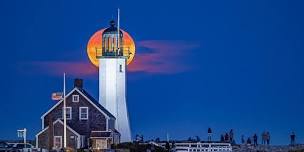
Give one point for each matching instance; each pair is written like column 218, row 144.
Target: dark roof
column 101, row 134
column 112, row 28
column 96, row 103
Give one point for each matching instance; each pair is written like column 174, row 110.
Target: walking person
column 255, row 140
column 292, row 138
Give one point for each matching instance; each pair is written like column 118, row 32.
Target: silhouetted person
column 268, row 138
column 197, row 138
column 249, row 141
column 226, row 137
column 292, row 138
column 209, row 134
column 255, row 140
column 222, row 138
column 264, row 138
column 167, row 146
column 242, row 139
column 231, row 136
column 173, row 145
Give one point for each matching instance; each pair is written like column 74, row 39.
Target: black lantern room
column 111, row 42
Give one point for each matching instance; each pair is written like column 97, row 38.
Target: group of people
column 228, row 137
column 265, row 139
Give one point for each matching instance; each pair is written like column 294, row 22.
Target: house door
column 57, row 142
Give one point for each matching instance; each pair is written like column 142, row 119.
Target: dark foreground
column 262, row 148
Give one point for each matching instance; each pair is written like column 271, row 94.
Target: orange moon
column 95, row 42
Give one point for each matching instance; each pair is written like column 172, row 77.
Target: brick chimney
column 78, row 83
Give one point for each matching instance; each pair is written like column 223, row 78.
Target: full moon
column 95, row 42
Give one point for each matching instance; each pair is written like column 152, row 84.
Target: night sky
column 199, row 64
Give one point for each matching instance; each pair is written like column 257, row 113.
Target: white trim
column 72, row 130
column 107, row 126
column 87, row 111
column 58, row 103
column 42, row 123
column 39, row 134
column 101, row 137
column 42, row 131
column 94, row 104
column 90, row 101
column 107, row 116
column 70, row 112
column 36, row 141
column 60, row 142
column 100, row 131
column 75, row 95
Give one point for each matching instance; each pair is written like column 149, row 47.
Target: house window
column 57, row 142
column 83, row 113
column 75, row 98
column 68, row 113
column 120, row 68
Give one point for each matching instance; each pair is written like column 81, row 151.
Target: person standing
column 268, row 137
column 222, row 138
column 264, row 138
column 255, row 140
column 209, row 134
column 231, row 136
column 292, row 138
column 226, row 137
column 242, row 139
column 249, row 141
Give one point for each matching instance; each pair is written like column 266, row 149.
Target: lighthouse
column 112, row 78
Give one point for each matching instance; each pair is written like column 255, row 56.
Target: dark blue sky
column 220, row 64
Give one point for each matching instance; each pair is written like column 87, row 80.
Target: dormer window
column 75, row 98
column 83, row 113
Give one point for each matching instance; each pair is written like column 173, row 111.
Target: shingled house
column 89, row 125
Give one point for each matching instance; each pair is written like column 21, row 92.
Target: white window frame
column 55, row 140
column 73, row 97
column 70, row 113
column 87, row 111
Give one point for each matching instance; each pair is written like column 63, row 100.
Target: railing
column 102, row 53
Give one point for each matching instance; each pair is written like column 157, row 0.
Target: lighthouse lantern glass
column 110, row 40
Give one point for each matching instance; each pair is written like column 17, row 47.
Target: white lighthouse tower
column 112, row 78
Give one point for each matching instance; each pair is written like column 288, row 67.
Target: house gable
column 42, row 138
column 86, row 97
column 99, row 117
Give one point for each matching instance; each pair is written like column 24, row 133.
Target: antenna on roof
column 118, row 33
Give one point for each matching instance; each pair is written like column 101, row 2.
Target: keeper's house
column 89, row 125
